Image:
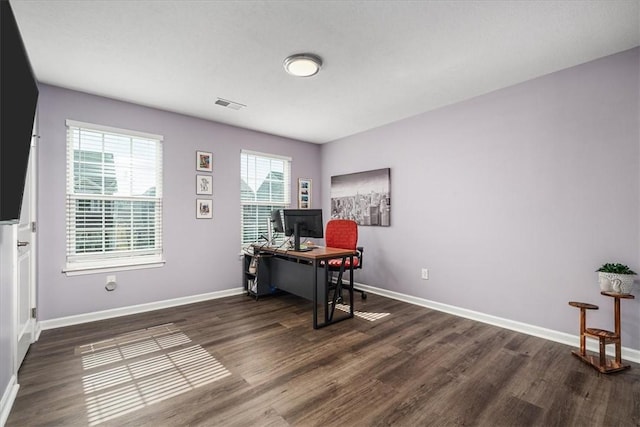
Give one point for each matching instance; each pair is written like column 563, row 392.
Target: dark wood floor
column 238, row 362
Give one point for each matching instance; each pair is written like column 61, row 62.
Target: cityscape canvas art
column 363, row 197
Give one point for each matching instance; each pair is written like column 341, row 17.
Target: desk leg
column 315, row 294
column 329, row 309
column 326, row 296
column 351, row 286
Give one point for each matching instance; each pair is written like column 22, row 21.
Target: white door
column 26, row 263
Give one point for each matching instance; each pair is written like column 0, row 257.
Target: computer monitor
column 276, row 221
column 303, row 223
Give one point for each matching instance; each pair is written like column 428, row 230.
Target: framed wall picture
column 304, row 193
column 204, row 161
column 204, row 208
column 363, row 196
column 204, row 184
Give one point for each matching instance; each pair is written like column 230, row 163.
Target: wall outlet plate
column 425, row 274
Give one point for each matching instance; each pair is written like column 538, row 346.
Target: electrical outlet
column 425, row 274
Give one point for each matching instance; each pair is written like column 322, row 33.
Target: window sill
column 80, row 270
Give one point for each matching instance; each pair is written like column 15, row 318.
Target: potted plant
column 616, row 277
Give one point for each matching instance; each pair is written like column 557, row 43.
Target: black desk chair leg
column 360, row 250
column 338, row 283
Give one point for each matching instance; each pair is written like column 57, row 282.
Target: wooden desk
column 303, row 274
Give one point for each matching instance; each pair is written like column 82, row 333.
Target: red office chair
column 343, row 233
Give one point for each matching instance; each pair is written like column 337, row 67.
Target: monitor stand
column 296, row 239
column 296, row 236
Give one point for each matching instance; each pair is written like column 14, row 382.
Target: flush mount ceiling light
column 302, row 64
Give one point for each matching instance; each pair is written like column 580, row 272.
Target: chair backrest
column 341, row 233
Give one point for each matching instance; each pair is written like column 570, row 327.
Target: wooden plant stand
column 601, row 362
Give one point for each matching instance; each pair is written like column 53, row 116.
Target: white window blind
column 265, row 185
column 114, row 197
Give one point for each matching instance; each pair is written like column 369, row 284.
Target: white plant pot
column 614, row 282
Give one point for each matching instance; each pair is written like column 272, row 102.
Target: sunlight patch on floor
column 362, row 314
column 118, row 391
column 111, row 392
column 124, row 350
column 129, row 337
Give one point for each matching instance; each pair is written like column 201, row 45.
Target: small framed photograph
column 304, row 193
column 204, row 184
column 204, row 208
column 204, row 161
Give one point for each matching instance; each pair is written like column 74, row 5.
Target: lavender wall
column 511, row 199
column 201, row 255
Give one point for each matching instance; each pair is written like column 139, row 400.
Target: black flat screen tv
column 18, row 101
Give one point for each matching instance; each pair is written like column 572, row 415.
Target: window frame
column 270, row 204
column 77, row 263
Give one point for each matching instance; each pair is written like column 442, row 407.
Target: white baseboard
column 629, row 354
column 37, row 331
column 133, row 309
column 8, row 397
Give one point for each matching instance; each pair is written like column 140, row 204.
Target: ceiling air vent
column 229, row 104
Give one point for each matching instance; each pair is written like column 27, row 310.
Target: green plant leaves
column 615, row 268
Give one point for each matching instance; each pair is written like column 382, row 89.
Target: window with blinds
column 114, row 197
column 265, row 185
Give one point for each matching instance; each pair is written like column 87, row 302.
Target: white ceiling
column 383, row 60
